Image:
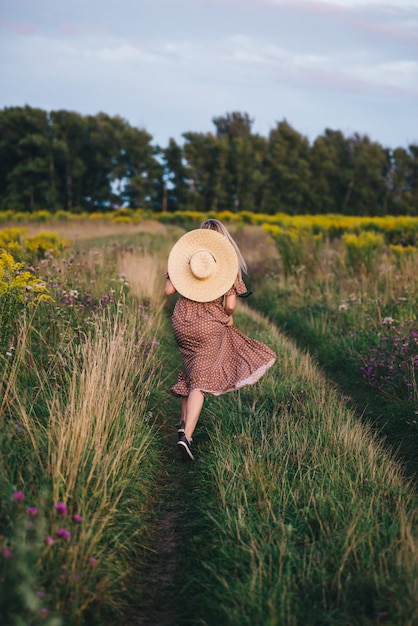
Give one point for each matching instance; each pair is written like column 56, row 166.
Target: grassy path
column 161, row 568
column 291, row 514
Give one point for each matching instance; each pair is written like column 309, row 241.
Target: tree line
column 62, row 160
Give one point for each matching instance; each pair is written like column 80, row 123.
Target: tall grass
column 144, row 273
column 81, row 443
column 293, row 512
column 308, row 518
column 354, row 306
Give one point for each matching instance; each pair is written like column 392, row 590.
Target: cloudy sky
column 170, row 66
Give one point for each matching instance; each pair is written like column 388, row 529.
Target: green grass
column 293, row 513
column 79, row 427
column 338, row 341
column 296, row 515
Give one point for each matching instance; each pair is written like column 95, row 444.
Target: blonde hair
column 213, row 224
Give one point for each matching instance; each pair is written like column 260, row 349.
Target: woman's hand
column 169, row 287
column 230, row 321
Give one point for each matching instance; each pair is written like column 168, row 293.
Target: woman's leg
column 183, row 411
column 193, row 406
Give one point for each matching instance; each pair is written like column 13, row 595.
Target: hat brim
column 223, row 276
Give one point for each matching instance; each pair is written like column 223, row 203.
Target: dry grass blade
column 98, row 429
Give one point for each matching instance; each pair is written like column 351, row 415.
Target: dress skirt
column 216, row 358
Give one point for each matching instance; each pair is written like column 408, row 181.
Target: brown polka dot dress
column 216, row 358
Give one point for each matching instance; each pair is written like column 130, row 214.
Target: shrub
column 40, row 216
column 30, row 249
column 62, row 215
column 403, row 254
column 363, row 251
column 18, row 288
column 186, row 219
column 298, row 248
column 45, row 242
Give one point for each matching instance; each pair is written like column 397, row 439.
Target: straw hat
column 203, row 265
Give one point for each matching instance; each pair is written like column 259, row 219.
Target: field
column 301, row 506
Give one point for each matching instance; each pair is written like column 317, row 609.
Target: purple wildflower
column 65, row 534
column 18, row 495
column 77, row 518
column 32, row 510
column 8, row 554
column 390, row 365
column 61, row 508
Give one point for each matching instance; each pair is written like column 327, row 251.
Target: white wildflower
column 388, row 321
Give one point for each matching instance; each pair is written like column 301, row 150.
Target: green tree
column 206, row 157
column 120, row 165
column 367, row 177
column 289, row 173
column 100, row 156
column 176, row 176
column 333, row 176
column 64, row 159
column 27, row 176
column 244, row 173
column 234, row 124
column 403, row 183
column 69, row 132
column 349, row 175
column 325, row 163
column 139, row 169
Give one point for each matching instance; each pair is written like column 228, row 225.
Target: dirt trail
column 160, row 570
column 161, row 579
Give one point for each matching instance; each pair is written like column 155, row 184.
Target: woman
column 206, row 269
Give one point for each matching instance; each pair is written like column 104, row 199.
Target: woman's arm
column 230, row 304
